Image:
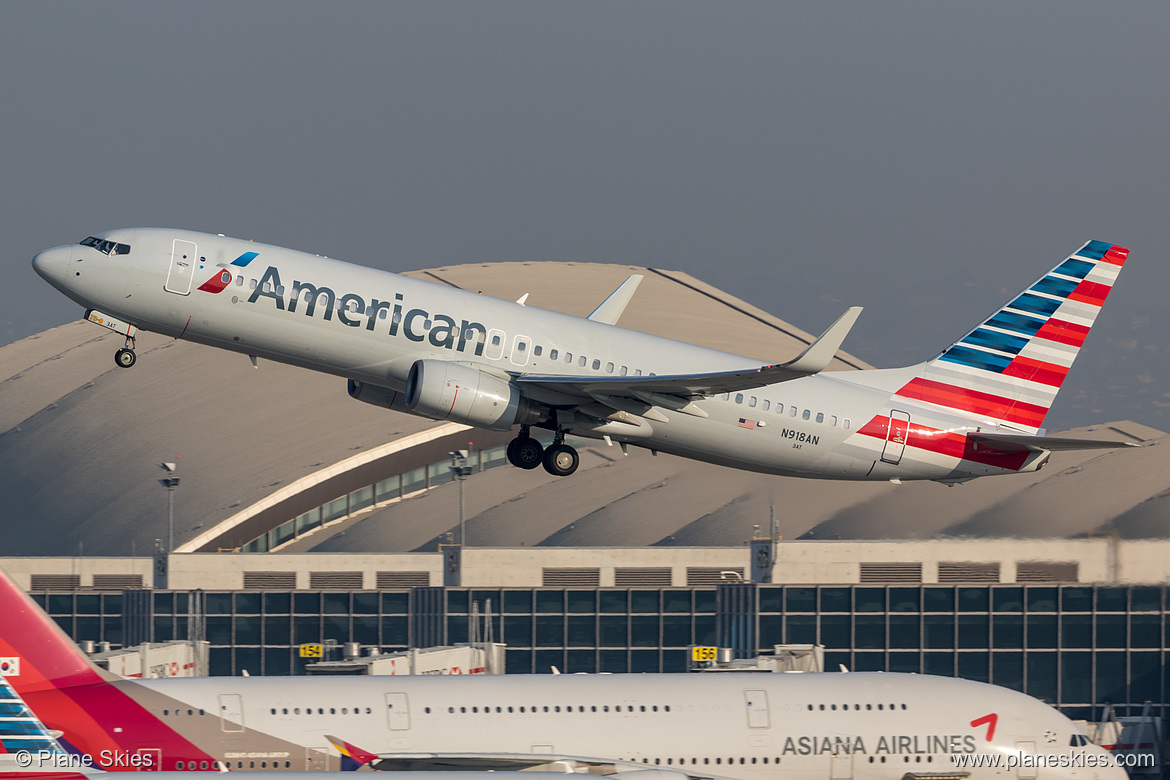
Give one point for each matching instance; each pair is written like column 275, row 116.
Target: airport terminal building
column 1080, row 623
column 306, row 517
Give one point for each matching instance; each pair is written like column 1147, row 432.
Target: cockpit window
column 106, row 246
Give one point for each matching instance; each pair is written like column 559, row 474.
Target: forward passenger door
column 182, row 269
column 757, row 709
column 397, row 712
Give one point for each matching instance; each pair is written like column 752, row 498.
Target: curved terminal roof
column 81, row 440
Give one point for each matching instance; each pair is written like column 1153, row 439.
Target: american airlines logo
column 352, row 310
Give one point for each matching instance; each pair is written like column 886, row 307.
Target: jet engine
column 465, row 394
column 378, row 396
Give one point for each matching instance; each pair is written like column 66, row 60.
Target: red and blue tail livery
column 1008, row 369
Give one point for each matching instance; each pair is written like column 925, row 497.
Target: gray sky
column 924, row 160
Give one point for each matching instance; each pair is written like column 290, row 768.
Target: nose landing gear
column 125, row 357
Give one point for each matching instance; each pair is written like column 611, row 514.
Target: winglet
column 349, row 750
column 820, row 353
column 611, row 309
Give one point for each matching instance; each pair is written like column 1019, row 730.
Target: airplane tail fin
column 68, row 692
column 1008, row 370
column 35, row 654
column 21, row 730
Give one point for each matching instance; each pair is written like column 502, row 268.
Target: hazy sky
column 924, row 160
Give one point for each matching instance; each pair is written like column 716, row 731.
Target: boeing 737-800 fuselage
column 445, row 353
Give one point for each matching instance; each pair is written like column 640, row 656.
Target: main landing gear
column 125, row 357
column 560, row 459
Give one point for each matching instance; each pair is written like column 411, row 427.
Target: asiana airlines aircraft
column 413, row 346
column 827, row 726
column 30, row 751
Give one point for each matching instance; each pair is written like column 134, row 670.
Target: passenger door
column 1026, row 772
column 182, row 270
column 397, row 712
column 495, row 344
column 231, row 712
column 155, row 756
column 757, row 709
column 520, row 349
column 841, row 764
column 317, row 759
column 896, row 435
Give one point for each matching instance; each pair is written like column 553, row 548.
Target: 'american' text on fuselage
column 438, row 329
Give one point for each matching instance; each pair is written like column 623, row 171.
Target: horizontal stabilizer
column 611, row 309
column 1023, row 441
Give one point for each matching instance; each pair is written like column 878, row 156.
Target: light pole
column 170, row 483
column 460, row 470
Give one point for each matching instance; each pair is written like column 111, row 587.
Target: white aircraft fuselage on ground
column 445, row 353
column 862, row 726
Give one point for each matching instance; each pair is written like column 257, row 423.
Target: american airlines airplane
column 974, row 410
column 868, row 726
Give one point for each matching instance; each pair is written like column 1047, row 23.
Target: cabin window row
column 793, row 411
column 223, row 766
column 845, row 707
column 321, row 710
column 669, row 761
column 557, row 708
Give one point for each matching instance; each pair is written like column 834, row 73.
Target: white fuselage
column 752, row 727
column 372, row 326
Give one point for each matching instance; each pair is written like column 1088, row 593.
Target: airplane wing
column 501, row 762
column 1023, row 441
column 814, row 359
column 539, row 763
column 492, row 762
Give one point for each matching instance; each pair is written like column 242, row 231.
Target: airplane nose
column 52, row 264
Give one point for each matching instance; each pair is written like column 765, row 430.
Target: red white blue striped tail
column 1008, row 370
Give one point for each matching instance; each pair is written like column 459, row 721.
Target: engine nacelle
column 465, row 394
column 378, row 396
